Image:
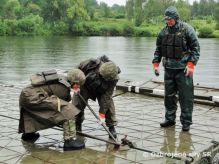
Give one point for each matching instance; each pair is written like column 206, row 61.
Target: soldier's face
column 170, row 22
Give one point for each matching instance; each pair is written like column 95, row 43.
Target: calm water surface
column 22, row 56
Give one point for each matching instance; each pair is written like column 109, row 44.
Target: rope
column 59, row 104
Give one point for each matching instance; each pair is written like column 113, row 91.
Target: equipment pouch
column 46, row 77
column 50, row 76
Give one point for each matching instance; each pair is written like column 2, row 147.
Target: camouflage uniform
column 177, row 45
column 96, row 87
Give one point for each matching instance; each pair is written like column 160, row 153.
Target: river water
column 22, row 56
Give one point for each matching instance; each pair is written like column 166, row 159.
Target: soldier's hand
column 156, row 72
column 76, row 89
column 156, row 69
column 189, row 69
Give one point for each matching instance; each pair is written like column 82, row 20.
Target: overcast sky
column 122, row 2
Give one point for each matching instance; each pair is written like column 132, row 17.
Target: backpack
column 45, row 77
column 96, row 84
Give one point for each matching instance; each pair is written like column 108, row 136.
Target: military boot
column 185, row 127
column 113, row 132
column 30, row 137
column 73, row 144
column 166, row 124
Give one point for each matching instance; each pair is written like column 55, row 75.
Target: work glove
column 76, row 88
column 156, row 69
column 101, row 115
column 189, row 69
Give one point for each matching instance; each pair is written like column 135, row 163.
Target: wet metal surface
column 138, row 116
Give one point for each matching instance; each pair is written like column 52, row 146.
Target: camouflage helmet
column 109, row 71
column 76, row 76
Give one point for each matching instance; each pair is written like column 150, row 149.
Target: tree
column 130, row 9
column 167, row 3
column 183, row 9
column 91, row 6
column 2, row 4
column 152, row 9
column 195, row 8
column 118, row 11
column 33, row 9
column 11, row 9
column 216, row 16
column 138, row 12
column 104, row 9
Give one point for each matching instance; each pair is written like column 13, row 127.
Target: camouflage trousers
column 106, row 106
column 69, row 130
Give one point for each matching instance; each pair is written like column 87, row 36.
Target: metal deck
column 138, row 117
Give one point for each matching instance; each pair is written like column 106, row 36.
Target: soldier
column 178, row 45
column 45, row 103
column 101, row 78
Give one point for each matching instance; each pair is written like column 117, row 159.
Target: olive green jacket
column 104, row 96
column 45, row 106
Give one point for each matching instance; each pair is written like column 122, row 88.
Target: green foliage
column 117, row 12
column 206, row 32
column 106, row 30
column 139, row 31
column 216, row 34
column 128, row 29
column 3, row 28
column 77, row 29
column 60, row 28
column 130, row 9
column 34, row 8
column 91, row 29
column 184, row 10
column 12, row 26
column 91, row 6
column 152, row 10
column 30, row 24
column 204, row 8
column 216, row 16
column 88, row 18
column 138, row 12
column 77, row 12
column 11, row 9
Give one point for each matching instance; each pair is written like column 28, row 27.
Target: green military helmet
column 76, row 76
column 109, row 71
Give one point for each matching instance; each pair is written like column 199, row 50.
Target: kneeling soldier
column 45, row 104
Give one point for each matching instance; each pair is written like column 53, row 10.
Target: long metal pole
column 127, row 142
column 96, row 116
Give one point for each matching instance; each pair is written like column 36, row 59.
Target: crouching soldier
column 45, row 104
column 101, row 78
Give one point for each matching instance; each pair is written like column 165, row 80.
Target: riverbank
column 34, row 25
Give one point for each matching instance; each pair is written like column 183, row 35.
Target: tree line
column 87, row 17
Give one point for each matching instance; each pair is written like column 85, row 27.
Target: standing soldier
column 178, row 45
column 45, row 103
column 101, row 78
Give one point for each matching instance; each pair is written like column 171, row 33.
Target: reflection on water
column 22, row 56
column 176, row 143
column 45, row 154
